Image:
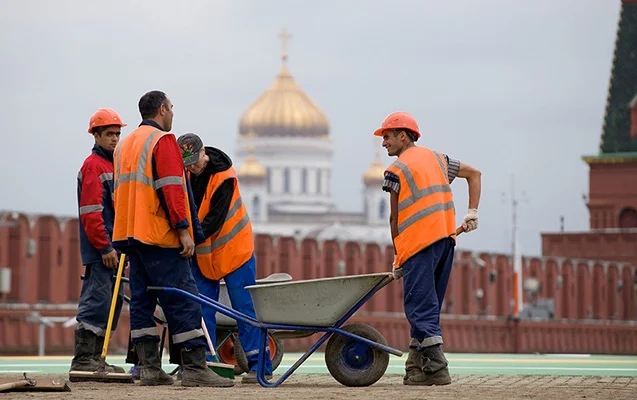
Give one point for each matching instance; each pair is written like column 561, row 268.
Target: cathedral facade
column 285, row 157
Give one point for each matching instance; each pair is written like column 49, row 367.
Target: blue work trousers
column 241, row 301
column 95, row 299
column 425, row 278
column 156, row 266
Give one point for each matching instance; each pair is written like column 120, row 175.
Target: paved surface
column 460, row 364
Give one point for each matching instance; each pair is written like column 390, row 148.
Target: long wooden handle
column 109, row 326
column 207, row 335
column 459, row 230
column 13, row 385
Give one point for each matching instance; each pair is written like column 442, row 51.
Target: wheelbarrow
column 229, row 347
column 355, row 355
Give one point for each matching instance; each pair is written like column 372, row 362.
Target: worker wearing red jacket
column 156, row 225
column 96, row 214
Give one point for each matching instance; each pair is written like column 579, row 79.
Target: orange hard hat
column 104, row 117
column 398, row 120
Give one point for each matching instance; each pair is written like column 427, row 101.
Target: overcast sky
column 514, row 88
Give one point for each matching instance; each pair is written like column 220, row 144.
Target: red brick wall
column 47, row 271
column 612, row 188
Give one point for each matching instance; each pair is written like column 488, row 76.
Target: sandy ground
column 325, row 387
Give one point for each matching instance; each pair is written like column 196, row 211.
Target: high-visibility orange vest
column 138, row 213
column 425, row 203
column 232, row 246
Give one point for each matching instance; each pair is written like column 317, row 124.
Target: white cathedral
column 284, row 153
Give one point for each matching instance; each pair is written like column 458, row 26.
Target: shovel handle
column 459, row 230
column 111, row 313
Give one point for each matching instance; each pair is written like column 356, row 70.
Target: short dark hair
column 410, row 134
column 150, row 102
column 100, row 129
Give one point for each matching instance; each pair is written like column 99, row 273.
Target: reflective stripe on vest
column 138, row 212
column 426, row 211
column 233, row 245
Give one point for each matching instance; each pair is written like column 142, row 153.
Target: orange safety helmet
column 398, row 120
column 104, row 117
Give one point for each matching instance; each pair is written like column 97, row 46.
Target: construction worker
column 228, row 251
column 423, row 231
column 155, row 227
column 96, row 215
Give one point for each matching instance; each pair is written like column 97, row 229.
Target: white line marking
column 18, row 371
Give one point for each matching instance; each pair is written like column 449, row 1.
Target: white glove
column 470, row 220
column 397, row 273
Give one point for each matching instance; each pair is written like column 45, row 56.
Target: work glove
column 397, row 273
column 470, row 220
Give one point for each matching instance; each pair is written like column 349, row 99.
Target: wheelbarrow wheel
column 354, row 363
column 276, row 353
column 226, row 351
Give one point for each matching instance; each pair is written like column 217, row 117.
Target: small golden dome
column 375, row 173
column 284, row 110
column 251, row 168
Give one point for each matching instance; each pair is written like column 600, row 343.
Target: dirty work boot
column 99, row 345
column 413, row 364
column 434, row 370
column 83, row 358
column 151, row 373
column 251, row 378
column 196, row 371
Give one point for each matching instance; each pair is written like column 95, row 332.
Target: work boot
column 84, row 352
column 251, row 378
column 413, row 364
column 434, row 370
column 99, row 345
column 196, row 371
column 150, row 364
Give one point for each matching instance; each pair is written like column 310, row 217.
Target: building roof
column 623, row 85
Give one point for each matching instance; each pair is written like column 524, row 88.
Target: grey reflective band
column 169, row 180
column 96, row 330
column 220, row 241
column 107, row 176
column 185, row 336
column 91, row 208
column 424, row 213
column 233, row 210
column 442, row 165
column 138, row 175
column 79, row 175
column 417, row 194
column 137, row 333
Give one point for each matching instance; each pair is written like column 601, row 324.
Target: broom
column 101, row 375
column 221, row 369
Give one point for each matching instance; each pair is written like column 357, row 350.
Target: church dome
column 251, row 169
column 375, row 173
column 284, row 110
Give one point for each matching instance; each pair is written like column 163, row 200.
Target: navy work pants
column 95, row 299
column 425, row 278
column 156, row 266
column 241, row 301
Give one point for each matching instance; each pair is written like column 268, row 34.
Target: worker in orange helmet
column 423, row 229
column 96, row 215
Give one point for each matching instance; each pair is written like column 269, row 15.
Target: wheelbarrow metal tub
column 313, row 302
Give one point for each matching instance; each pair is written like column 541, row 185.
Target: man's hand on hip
column 110, row 259
column 470, row 220
column 187, row 243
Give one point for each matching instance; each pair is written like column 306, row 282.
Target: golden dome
column 375, row 173
column 251, row 168
column 284, row 110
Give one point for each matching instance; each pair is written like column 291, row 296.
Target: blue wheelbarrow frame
column 264, row 327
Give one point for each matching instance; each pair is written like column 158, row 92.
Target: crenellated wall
column 43, row 255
